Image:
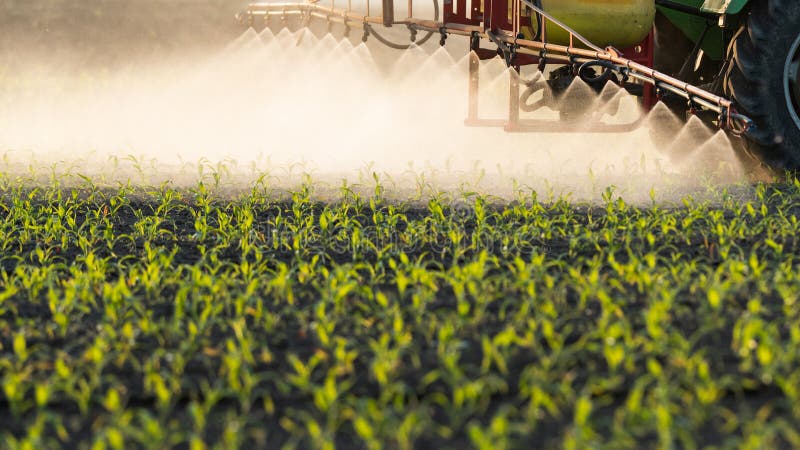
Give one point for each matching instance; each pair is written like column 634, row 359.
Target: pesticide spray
column 291, row 103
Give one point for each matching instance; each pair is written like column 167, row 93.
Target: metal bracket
column 502, row 47
column 365, row 36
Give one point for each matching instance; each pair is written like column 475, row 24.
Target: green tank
column 619, row 23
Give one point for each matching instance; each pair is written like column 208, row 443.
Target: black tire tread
column 751, row 77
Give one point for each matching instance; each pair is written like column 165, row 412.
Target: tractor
column 735, row 64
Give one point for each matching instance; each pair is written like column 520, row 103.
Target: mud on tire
column 757, row 80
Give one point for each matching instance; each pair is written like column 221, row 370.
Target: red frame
column 457, row 12
column 497, row 21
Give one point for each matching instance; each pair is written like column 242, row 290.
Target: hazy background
column 113, row 32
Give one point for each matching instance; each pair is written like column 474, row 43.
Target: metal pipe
column 572, row 32
column 474, row 81
column 593, row 52
column 616, row 59
column 387, row 13
column 684, row 72
column 660, row 85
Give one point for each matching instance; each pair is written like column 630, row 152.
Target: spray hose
column 383, row 40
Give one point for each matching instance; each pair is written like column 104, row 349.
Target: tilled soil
column 173, row 318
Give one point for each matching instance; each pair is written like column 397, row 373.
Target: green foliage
column 158, row 317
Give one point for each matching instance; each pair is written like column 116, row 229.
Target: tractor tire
column 764, row 80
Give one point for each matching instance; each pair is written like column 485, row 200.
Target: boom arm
column 504, row 32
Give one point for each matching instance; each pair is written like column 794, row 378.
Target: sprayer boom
column 518, row 30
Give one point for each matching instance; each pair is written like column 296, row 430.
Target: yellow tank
column 619, row 23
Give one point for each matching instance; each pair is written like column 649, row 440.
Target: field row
column 141, row 317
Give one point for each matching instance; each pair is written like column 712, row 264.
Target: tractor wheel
column 764, row 80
